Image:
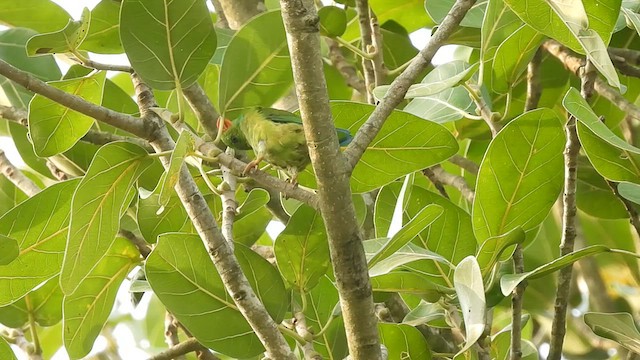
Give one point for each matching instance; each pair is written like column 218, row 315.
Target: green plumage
column 275, row 136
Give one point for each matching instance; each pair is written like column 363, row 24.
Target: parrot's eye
column 234, row 139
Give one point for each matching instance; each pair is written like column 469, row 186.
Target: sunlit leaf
column 104, row 30
column 8, row 249
column 5, row 350
column 65, row 40
column 619, row 327
column 403, row 342
column 470, row 290
column 168, row 43
column 98, row 204
column 40, row 15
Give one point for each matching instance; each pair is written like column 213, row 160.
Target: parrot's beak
column 223, row 124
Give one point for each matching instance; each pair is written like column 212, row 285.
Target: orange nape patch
column 226, row 124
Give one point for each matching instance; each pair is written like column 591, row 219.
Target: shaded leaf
column 439, row 9
column 403, row 342
column 104, row 30
column 619, row 327
column 168, row 43
column 404, row 255
column 43, row 305
column 98, row 204
column 333, row 21
column 492, row 249
column 322, row 305
column 302, row 250
column 40, row 15
column 513, row 56
column 256, row 70
column 630, row 192
column 172, row 219
column 5, row 350
column 424, row 313
column 184, row 146
column 198, row 298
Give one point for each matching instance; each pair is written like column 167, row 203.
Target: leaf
column 433, row 87
column 517, row 186
column 43, row 305
column 513, row 56
column 509, row 282
column 449, row 105
column 55, row 128
column 8, row 249
column 62, row 41
column 333, row 21
column 630, row 192
column 405, row 144
column 424, row 313
column 39, row 224
column 104, row 30
column 439, row 9
column 594, row 195
column 256, row 70
column 619, row 327
column 501, row 347
column 410, row 14
column 567, row 21
column 98, row 204
column 302, row 250
column 253, row 217
column 86, row 311
column 407, row 254
column 405, row 282
column 322, row 303
column 408, row 232
column 403, row 342
column 492, row 249
column 184, row 146
column 12, row 44
column 5, row 350
column 40, row 15
column 180, row 274
column 168, row 43
column 467, row 280
column 173, row 218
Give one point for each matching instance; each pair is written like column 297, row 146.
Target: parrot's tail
column 344, row 136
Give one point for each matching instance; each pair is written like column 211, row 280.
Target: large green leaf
column 8, row 249
column 619, row 327
column 55, row 128
column 253, row 216
column 491, row 250
column 410, row 14
column 168, row 43
column 62, row 41
column 569, row 22
column 256, row 70
column 40, row 225
column 438, row 9
column 594, row 195
column 302, row 250
column 10, row 195
column 403, row 342
column 323, row 304
column 405, row 144
column 88, row 308
column 40, row 15
column 182, row 276
column 104, row 31
column 509, row 282
column 98, row 204
column 407, row 254
column 517, row 185
column 153, row 222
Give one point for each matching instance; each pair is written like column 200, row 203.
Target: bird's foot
column 250, row 167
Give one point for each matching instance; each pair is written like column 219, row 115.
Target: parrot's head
column 232, row 136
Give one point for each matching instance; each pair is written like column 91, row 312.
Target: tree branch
column 203, row 108
column 573, row 63
column 332, row 173
column 364, row 20
column 458, row 182
column 588, row 76
column 466, row 164
column 401, row 84
column 17, row 177
column 345, row 68
column 219, row 251
column 238, row 12
column 177, row 351
column 171, row 334
column 122, row 121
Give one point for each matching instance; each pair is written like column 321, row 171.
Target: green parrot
column 275, row 136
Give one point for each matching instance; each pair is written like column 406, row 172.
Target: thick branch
column 534, row 89
column 458, row 182
column 573, row 63
column 217, row 247
column 203, row 108
column 238, row 12
column 401, row 84
column 125, row 122
column 178, row 351
column 332, row 173
column 346, row 69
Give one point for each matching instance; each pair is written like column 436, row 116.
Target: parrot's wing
column 280, row 116
column 344, row 136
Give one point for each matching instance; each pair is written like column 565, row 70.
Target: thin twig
column 534, row 88
column 457, row 182
column 466, row 164
column 428, row 172
column 588, row 76
column 485, row 112
column 86, row 62
column 143, row 247
column 401, row 84
column 178, row 351
column 364, row 20
column 345, row 68
column 16, row 176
